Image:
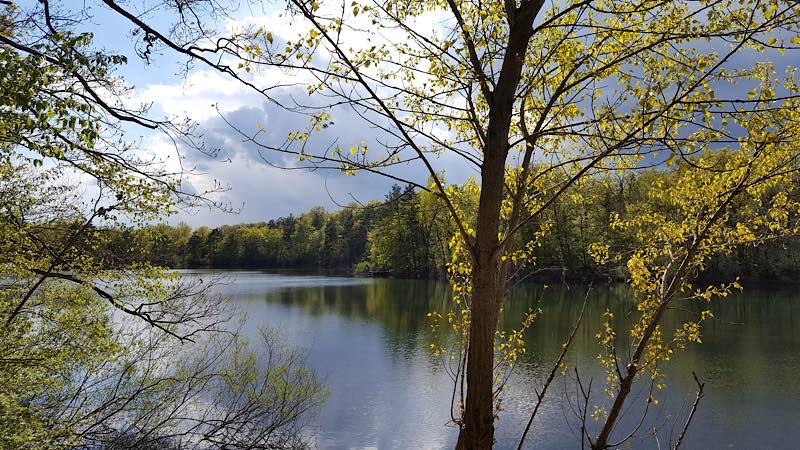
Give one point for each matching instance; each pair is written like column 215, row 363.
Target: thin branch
column 540, row 396
column 697, row 398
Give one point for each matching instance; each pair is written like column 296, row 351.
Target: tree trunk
column 478, row 428
column 488, row 286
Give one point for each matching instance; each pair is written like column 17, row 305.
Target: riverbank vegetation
column 407, row 235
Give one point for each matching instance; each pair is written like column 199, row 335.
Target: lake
column 370, row 339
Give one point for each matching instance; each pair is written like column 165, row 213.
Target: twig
column 541, row 394
column 691, row 413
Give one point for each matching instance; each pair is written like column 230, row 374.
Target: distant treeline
column 407, row 235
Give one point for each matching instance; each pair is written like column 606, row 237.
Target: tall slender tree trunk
column 488, row 286
column 478, row 426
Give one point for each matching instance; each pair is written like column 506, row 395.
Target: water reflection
column 370, row 337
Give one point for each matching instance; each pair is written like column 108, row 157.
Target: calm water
column 369, row 338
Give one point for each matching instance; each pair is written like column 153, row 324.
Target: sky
column 254, row 189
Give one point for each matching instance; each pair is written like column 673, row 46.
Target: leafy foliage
column 98, row 350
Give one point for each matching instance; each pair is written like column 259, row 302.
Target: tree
column 92, row 341
column 72, row 375
column 520, row 91
column 306, row 240
column 400, row 242
column 333, row 245
column 351, row 234
column 164, row 245
column 228, row 253
column 197, row 248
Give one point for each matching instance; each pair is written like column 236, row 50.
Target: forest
column 407, row 236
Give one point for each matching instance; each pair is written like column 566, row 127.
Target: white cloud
column 266, row 192
column 197, row 96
